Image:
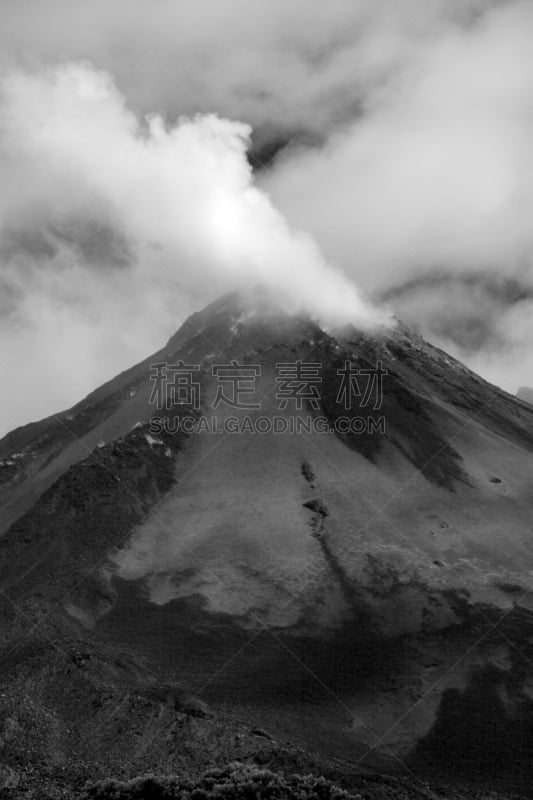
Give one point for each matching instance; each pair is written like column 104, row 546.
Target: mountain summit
column 324, row 533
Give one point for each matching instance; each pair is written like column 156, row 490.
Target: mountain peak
column 374, row 540
column 256, row 309
column 262, row 311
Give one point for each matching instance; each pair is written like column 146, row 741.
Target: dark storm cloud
column 94, row 242
column 30, row 242
column 97, row 242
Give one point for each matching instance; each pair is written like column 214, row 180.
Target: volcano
column 271, row 541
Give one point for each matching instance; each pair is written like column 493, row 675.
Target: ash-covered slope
column 363, row 592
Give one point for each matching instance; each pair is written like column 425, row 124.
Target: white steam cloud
column 409, row 167
column 110, row 219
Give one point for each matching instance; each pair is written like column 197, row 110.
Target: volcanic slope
column 366, row 596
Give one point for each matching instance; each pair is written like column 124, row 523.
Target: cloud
column 435, row 175
column 438, row 169
column 484, row 319
column 112, row 218
column 296, row 66
column 470, row 310
column 125, row 177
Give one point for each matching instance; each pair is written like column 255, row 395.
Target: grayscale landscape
column 266, row 441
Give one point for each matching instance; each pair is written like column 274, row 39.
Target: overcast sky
column 402, row 174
